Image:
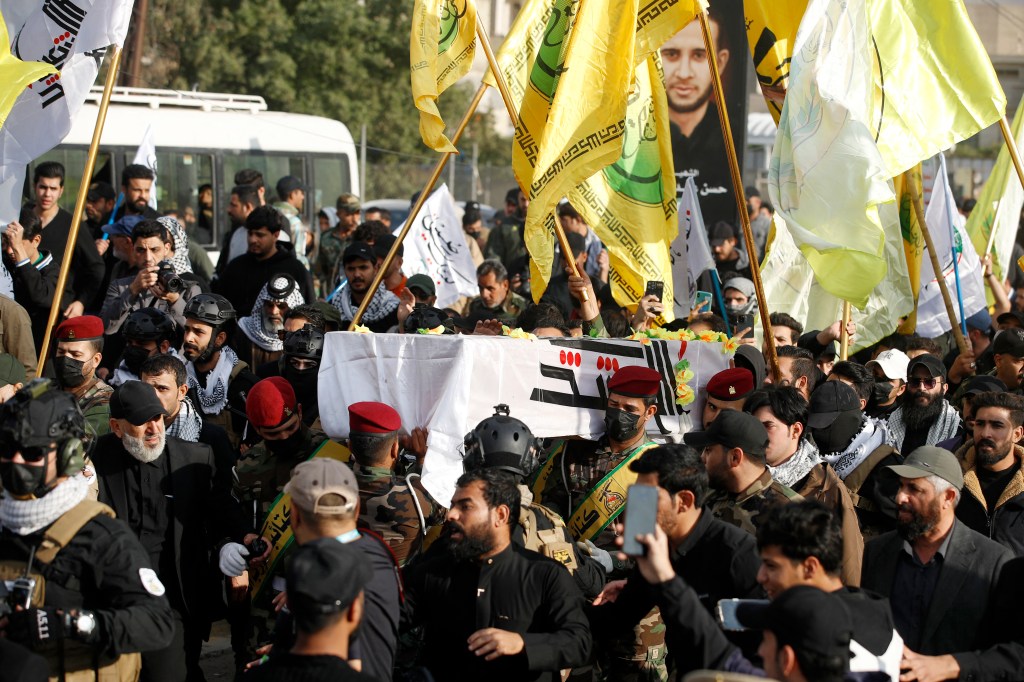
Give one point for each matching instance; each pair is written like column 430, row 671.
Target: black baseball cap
column 929, row 362
column 287, row 185
column 101, row 190
column 325, row 576
column 733, row 430
column 358, row 251
column 136, row 402
column 828, row 401
column 721, row 231
column 382, row 246
column 1010, row 316
column 1009, row 342
column 805, row 618
column 982, row 384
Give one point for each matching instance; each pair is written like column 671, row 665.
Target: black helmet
column 211, row 309
column 149, row 324
column 40, row 414
column 426, row 317
column 307, row 342
column 501, row 442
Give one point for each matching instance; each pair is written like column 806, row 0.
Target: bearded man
column 261, row 339
column 171, row 496
column 925, row 417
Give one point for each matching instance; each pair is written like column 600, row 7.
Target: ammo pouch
column 550, row 542
column 70, row 660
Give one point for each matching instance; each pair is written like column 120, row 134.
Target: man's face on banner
column 687, row 75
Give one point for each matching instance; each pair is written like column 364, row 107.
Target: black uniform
column 516, row 590
column 102, row 570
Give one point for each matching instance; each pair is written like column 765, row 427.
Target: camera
column 15, row 593
column 256, row 548
column 168, row 278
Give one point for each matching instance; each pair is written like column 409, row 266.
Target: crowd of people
column 838, row 519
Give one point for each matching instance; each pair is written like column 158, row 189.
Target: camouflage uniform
column 386, row 507
column 260, row 476
column 743, row 509
column 94, row 401
column 505, row 242
column 328, row 260
column 642, row 658
column 507, row 312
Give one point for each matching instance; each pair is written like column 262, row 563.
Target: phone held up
column 641, row 517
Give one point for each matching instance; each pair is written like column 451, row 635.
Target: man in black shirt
column 925, row 417
column 325, row 584
column 490, row 609
column 87, row 272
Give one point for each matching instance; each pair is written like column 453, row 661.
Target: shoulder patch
column 151, row 582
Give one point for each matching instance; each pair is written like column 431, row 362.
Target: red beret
column 81, row 328
column 369, row 417
column 731, row 384
column 636, row 381
column 271, row 402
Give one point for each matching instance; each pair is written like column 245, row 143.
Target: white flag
column 73, row 36
column 932, row 319
column 691, row 253
column 436, row 246
column 146, row 156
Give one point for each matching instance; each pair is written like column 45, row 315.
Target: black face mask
column 133, row 357
column 840, row 433
column 620, row 425
column 22, row 480
column 69, row 371
column 291, row 446
column 303, row 381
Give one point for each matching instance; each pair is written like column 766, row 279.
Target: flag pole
column 741, row 199
column 956, row 261
column 844, row 337
column 76, row 217
column 510, row 107
column 1011, row 146
column 915, row 193
column 414, row 212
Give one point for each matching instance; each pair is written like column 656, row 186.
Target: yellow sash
column 278, row 528
column 604, row 502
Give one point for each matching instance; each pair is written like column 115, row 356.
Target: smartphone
column 641, row 516
column 742, row 322
column 702, row 302
column 727, row 612
column 655, row 288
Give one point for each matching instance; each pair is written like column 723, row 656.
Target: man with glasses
column 890, row 369
column 259, row 341
column 924, row 418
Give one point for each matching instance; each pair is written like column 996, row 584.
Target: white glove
column 232, row 559
column 599, row 555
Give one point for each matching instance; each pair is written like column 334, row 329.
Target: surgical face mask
column 22, row 480
column 621, row 425
column 70, row 372
column 133, row 357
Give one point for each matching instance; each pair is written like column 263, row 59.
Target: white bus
column 205, row 138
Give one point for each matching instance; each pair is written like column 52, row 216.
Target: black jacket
column 955, row 618
column 204, row 512
column 1004, row 658
column 245, row 276
column 87, row 269
column 516, row 590
column 1005, row 523
column 34, row 289
column 99, row 571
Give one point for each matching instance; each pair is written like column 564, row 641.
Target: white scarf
column 381, row 305
column 793, row 470
column 214, row 397
column 24, row 517
column 252, row 326
column 180, row 261
column 187, row 425
column 871, row 436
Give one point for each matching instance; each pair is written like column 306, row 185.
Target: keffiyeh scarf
column 214, row 397
column 180, row 261
column 944, row 427
column 793, row 470
column 381, row 305
column 252, row 326
column 24, row 517
column 188, row 423
column 871, row 436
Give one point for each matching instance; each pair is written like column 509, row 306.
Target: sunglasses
column 30, row 454
column 928, row 383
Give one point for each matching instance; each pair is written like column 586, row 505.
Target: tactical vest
column 550, row 542
column 224, row 418
column 856, row 478
column 70, row 660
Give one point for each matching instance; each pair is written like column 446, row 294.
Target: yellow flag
column 631, row 204
column 15, row 74
column 771, row 32
column 441, row 48
column 998, row 209
column 913, row 239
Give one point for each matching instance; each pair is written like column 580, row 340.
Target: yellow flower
column 517, row 333
column 436, row 331
column 708, row 336
column 686, row 376
column 684, row 395
column 730, row 345
column 360, row 329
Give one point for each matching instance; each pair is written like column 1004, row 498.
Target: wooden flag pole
column 844, row 337
column 76, row 216
column 420, row 200
column 741, row 199
column 513, row 116
column 1011, row 146
column 918, row 202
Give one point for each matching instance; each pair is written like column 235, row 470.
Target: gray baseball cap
column 929, row 460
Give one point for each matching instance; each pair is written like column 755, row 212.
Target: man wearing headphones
column 84, row 594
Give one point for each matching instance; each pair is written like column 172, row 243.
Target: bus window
column 330, row 178
column 74, row 162
column 273, row 166
column 179, row 177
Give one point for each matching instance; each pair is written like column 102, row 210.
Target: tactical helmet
column 307, row 342
column 211, row 309
column 501, row 442
column 149, row 324
column 426, row 317
column 40, row 414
